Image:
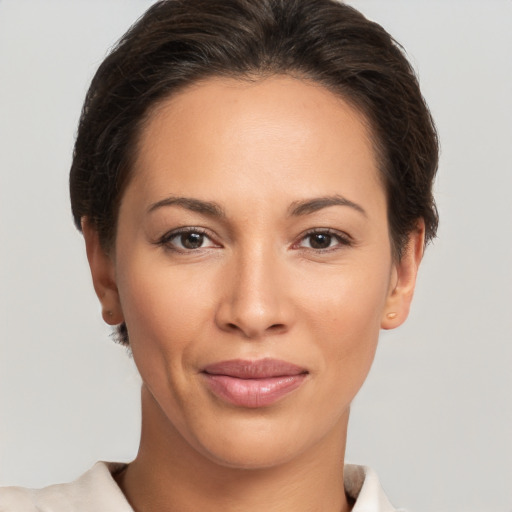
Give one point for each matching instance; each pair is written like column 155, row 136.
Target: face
column 253, row 267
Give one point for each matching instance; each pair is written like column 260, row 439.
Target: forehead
column 280, row 133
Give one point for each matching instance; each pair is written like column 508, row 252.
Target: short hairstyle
column 179, row 42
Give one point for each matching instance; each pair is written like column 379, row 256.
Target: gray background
column 435, row 416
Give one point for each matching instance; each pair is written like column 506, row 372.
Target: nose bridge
column 255, row 303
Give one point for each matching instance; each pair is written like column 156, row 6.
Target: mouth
column 253, row 384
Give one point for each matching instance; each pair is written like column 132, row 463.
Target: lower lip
column 253, row 393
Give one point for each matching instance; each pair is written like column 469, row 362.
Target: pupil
column 320, row 241
column 192, row 240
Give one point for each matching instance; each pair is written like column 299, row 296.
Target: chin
column 262, row 443
column 260, row 455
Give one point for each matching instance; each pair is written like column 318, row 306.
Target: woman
column 254, row 184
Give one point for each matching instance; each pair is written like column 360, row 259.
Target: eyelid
column 344, row 239
column 165, row 239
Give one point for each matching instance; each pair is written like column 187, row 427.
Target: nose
column 254, row 301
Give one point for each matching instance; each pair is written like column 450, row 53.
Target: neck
column 170, row 475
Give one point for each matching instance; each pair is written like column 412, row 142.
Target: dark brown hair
column 178, row 42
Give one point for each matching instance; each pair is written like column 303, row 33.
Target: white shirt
column 97, row 491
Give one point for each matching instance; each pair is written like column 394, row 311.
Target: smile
column 253, row 384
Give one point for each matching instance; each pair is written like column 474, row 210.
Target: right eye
column 187, row 240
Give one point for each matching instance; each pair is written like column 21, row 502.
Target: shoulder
column 95, row 490
column 363, row 486
column 17, row 499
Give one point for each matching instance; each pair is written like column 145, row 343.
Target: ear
column 103, row 275
column 403, row 280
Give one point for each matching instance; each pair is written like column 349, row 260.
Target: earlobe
column 403, row 280
column 103, row 275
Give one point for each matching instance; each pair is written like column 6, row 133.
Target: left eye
column 191, row 240
column 322, row 240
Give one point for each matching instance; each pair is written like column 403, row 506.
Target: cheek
column 159, row 303
column 165, row 311
column 348, row 298
column 344, row 310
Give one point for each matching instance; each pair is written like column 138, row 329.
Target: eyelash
column 166, row 239
column 343, row 239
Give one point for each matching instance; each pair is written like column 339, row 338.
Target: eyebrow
column 208, row 208
column 297, row 208
column 308, row 206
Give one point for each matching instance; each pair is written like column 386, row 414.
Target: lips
column 253, row 384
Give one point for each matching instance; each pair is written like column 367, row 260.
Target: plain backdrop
column 435, row 416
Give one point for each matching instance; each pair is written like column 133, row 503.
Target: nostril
column 276, row 328
column 271, row 329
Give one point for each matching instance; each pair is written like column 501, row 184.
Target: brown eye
column 187, row 240
column 192, row 240
column 320, row 240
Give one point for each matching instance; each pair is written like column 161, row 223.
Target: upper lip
column 258, row 369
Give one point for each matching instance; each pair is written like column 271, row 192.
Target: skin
column 257, row 287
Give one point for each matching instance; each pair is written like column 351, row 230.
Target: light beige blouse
column 97, row 491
